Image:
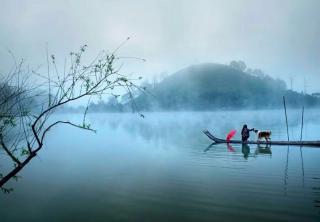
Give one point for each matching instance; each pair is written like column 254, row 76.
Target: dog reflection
column 263, row 150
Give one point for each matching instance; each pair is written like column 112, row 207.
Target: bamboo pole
column 285, row 112
column 301, row 156
column 302, row 123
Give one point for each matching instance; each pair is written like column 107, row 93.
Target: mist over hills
column 213, row 86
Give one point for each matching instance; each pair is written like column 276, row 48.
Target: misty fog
column 158, row 110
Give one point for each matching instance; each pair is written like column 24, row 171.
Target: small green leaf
column 24, row 152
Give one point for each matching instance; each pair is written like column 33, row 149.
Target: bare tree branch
column 101, row 76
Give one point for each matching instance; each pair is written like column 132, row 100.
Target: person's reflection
column 245, row 150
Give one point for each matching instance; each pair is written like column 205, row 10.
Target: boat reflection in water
column 245, row 149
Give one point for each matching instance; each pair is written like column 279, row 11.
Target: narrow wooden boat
column 315, row 143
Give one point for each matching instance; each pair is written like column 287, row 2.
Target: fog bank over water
column 280, row 37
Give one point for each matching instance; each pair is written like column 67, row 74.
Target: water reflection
column 230, row 148
column 164, row 165
column 302, row 165
column 316, row 191
column 263, row 150
column 260, row 150
column 208, row 147
column 286, row 175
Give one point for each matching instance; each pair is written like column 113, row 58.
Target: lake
column 161, row 168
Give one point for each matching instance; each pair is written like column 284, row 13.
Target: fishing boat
column 315, row 143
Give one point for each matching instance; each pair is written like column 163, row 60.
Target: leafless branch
column 100, row 76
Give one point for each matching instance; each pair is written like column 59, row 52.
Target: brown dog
column 263, row 134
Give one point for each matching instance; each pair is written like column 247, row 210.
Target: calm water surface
column 161, row 168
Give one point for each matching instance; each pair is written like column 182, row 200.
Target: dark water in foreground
column 161, row 169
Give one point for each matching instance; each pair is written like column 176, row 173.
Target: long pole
column 287, row 162
column 302, row 164
column 302, row 123
column 285, row 112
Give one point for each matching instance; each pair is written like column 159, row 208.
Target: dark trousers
column 245, row 138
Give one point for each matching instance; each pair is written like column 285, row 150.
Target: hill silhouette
column 213, row 86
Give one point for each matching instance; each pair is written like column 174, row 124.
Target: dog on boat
column 263, row 134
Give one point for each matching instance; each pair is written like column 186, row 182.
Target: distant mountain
column 215, row 86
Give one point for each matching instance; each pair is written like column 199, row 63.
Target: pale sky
column 279, row 36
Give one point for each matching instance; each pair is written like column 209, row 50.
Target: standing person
column 245, row 133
